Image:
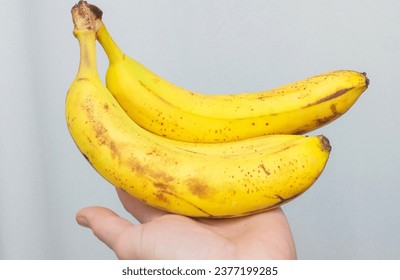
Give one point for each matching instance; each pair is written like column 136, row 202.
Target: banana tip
column 325, row 145
column 366, row 79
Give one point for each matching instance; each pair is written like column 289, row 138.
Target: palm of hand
column 168, row 236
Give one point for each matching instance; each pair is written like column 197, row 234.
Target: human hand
column 162, row 235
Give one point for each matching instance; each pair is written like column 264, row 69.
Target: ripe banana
column 193, row 179
column 173, row 112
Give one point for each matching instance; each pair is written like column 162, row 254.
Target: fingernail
column 82, row 221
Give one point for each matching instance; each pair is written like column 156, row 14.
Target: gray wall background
column 352, row 212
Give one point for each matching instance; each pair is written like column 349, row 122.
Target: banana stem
column 86, row 18
column 113, row 52
column 88, row 62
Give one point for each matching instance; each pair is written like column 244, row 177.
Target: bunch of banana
column 173, row 112
column 150, row 138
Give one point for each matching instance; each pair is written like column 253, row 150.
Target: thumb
column 114, row 231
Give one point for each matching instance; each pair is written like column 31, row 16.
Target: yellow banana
column 173, row 112
column 178, row 176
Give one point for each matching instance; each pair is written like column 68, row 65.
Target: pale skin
column 161, row 235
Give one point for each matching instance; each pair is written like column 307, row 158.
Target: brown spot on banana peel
column 161, row 197
column 104, row 139
column 163, row 183
column 82, row 79
column 330, row 97
column 262, row 166
column 300, row 131
column 163, row 193
column 327, row 119
column 101, row 131
column 161, row 177
column 334, row 109
column 163, row 187
column 198, row 187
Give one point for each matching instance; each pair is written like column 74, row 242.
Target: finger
column 142, row 212
column 116, row 232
